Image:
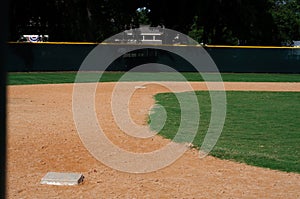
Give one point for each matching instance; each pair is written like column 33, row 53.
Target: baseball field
column 256, row 156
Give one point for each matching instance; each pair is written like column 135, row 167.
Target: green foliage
column 244, row 22
column 261, row 128
column 142, row 15
column 196, row 32
column 72, row 20
column 286, row 15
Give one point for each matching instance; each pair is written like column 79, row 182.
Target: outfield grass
column 69, row 77
column 261, row 128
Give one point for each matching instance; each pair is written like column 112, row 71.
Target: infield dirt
column 42, row 137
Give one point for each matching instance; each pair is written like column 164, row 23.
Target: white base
column 63, row 179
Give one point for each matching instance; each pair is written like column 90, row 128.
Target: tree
column 142, row 14
column 28, row 17
column 196, row 31
column 231, row 22
column 72, row 20
column 286, row 15
column 218, row 21
column 173, row 14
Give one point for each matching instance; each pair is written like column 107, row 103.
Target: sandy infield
column 42, row 137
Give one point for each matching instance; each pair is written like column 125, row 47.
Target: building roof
column 146, row 30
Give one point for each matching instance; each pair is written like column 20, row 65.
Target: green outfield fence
column 65, row 56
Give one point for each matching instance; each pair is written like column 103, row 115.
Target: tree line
column 228, row 22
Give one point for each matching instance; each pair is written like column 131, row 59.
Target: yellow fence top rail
column 95, row 43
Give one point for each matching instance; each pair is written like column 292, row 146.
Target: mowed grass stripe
column 69, row 77
column 261, row 128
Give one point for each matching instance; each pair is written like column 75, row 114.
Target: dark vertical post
column 3, row 38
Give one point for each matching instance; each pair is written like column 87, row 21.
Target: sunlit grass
column 261, row 128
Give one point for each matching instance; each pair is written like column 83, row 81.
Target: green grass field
column 261, row 128
column 69, row 77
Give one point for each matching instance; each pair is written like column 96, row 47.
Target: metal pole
column 3, row 38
